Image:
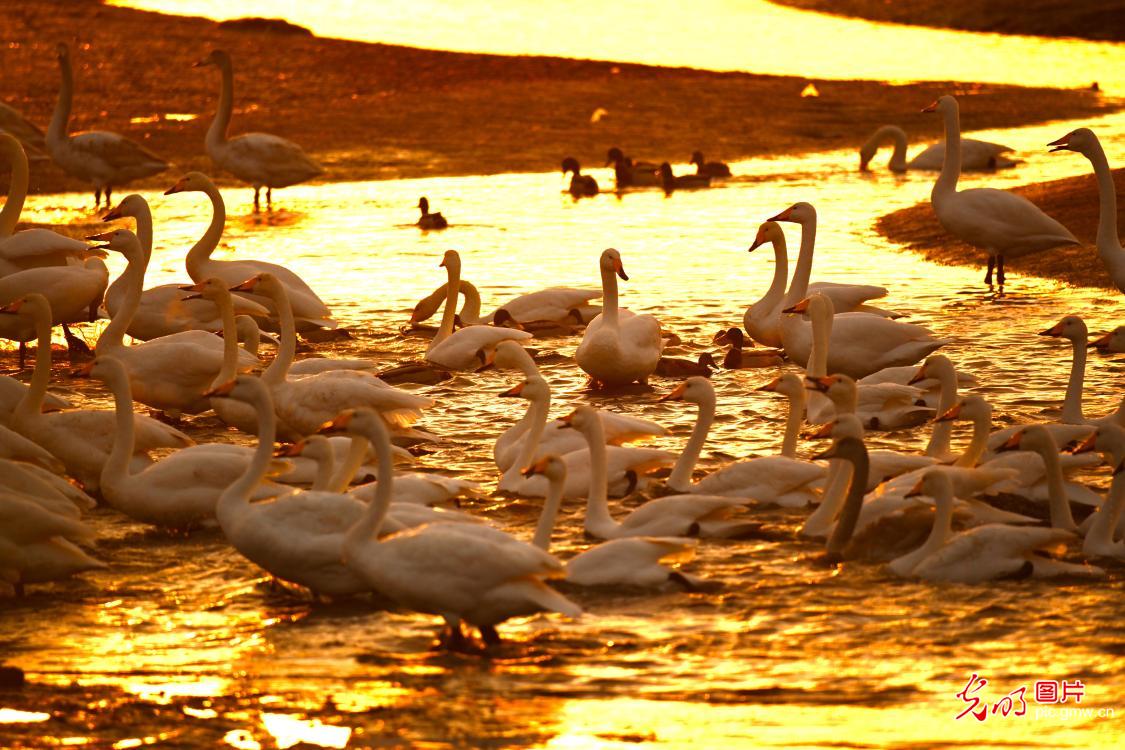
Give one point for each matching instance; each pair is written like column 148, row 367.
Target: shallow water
column 782, row 652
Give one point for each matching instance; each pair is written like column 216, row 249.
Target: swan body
column 556, row 304
column 879, row 406
column 99, row 157
column 975, row 155
column 619, row 347
column 73, row 293
column 29, row 135
column 581, row 185
column 996, row 221
column 1106, row 522
column 1110, row 343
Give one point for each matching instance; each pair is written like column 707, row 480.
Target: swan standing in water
column 1110, row 250
column 619, row 347
column 975, row 155
column 996, row 221
column 261, row 159
column 1073, row 328
column 97, row 156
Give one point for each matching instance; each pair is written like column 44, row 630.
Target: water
column 750, row 35
column 781, row 653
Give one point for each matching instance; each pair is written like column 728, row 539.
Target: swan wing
column 119, row 153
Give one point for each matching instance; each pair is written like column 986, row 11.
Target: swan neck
column 217, row 133
column 17, row 191
column 452, row 284
column 113, row 337
column 946, row 183
column 772, row 298
column 1104, row 526
column 547, row 516
column 898, row 156
column 680, row 478
column 598, row 518
column 236, row 498
column 367, row 527
column 1072, row 404
column 609, row 298
column 835, row 489
column 853, row 503
column 982, row 424
column 470, row 310
column 60, row 118
column 793, row 422
column 230, row 340
column 116, row 467
column 536, row 421
column 1061, row 517
column 345, row 472
column 32, row 402
column 821, row 323
column 1108, row 241
column 278, row 370
column 799, row 287
column 938, row 446
column 201, row 251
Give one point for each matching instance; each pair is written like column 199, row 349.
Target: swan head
column 614, row 155
column 248, row 388
column 973, row 408
column 1035, row 437
column 1071, row 327
column 210, row 289
column 262, row 283
column 550, row 466
column 814, row 306
column 315, row 447
column 131, row 205
column 935, row 482
column 119, row 241
column 214, row 57
column 799, row 213
column 610, row 263
column 570, row 164
column 363, row 421
column 62, row 52
column 943, row 105
column 1082, row 140
column 584, row 418
column 30, row 305
column 532, row 389
column 695, row 390
column 866, row 154
column 1114, row 341
column 192, row 182
column 1109, row 440
column 936, row 366
column 424, row 205
column 769, row 231
column 104, row 368
column 451, row 261
column 696, row 158
column 509, row 355
column 788, row 384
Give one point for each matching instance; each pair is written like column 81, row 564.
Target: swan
column 97, row 156
column 1110, row 343
column 430, row 220
column 708, row 168
column 309, row 309
column 261, row 159
column 15, row 446
column 737, row 358
column 1073, row 328
column 557, row 304
column 672, row 515
column 855, row 344
column 626, row 173
column 468, row 347
column 879, row 406
column 975, row 155
column 29, row 135
column 983, row 553
column 12, row 392
column 166, row 309
column 781, row 480
column 80, row 438
column 670, row 182
column 179, row 490
column 630, row 561
column 533, row 437
column 1109, row 245
column 73, row 291
column 581, row 185
column 619, row 347
column 1105, row 522
column 168, row 373
column 996, row 221
column 462, row 572
column 37, row 545
column 46, row 487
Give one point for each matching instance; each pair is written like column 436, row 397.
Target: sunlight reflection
column 289, row 731
column 15, row 716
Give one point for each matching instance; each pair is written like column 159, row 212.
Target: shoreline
column 374, row 111
column 1071, row 200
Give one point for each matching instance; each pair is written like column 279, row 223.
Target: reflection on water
column 781, row 653
column 750, row 35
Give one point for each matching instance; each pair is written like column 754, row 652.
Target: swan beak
column 918, row 376
column 567, row 421
column 1087, row 444
column 950, row 415
column 339, row 424
column 247, row 286
column 1012, row 443
column 800, row 307
column 514, row 392
column 13, row 308
column 931, row 107
column 676, row 394
column 822, row 384
column 620, row 269
column 192, row 288
column 103, row 237
column 290, row 450
column 783, row 216
column 220, row 391
column 178, row 187
column 759, row 240
column 83, row 371
column 1100, row 343
column 770, row 386
column 1055, row 330
column 824, row 431
column 538, row 467
column 112, row 214
column 916, row 490
column 1062, row 144
column 830, row 453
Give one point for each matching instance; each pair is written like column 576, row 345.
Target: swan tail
column 535, row 590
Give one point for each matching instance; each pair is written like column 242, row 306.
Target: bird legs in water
column 997, row 262
column 98, row 197
column 453, row 637
column 75, row 347
column 269, row 198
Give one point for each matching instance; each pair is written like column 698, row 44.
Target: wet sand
column 1060, row 18
column 372, row 111
column 1073, row 201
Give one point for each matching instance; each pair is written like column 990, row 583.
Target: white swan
column 556, row 304
column 619, row 347
column 879, row 406
column 996, row 221
column 309, row 309
column 672, row 515
column 1106, row 521
column 1110, row 343
column 81, row 438
column 261, row 159
column 630, row 561
column 983, row 553
column 1073, row 328
column 855, row 344
column 37, row 545
column 99, row 157
column 975, row 155
column 462, row 572
column 1110, row 250
column 73, row 291
column 782, row 480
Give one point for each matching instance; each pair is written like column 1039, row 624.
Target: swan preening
column 975, row 155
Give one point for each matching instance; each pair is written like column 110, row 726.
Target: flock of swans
column 332, row 514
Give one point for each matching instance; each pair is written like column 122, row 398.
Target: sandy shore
column 372, row 111
column 1073, row 201
column 1104, row 20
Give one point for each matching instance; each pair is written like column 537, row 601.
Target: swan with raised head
column 619, row 346
column 1106, row 522
column 1108, row 242
column 261, row 159
column 975, row 155
column 879, row 406
column 309, row 309
column 1000, row 223
column 99, row 157
column 1073, row 328
column 557, row 304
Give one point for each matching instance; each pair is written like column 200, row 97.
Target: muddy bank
column 1073, row 201
column 1103, row 21
column 373, row 111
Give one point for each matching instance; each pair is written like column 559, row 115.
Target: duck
column 627, row 173
column 1110, row 343
column 310, row 311
column 1105, row 522
column 779, row 480
column 99, row 157
column 1110, row 250
column 670, row 182
column 465, row 573
column 615, row 153
column 619, row 347
column 261, row 159
column 429, row 220
column 581, row 185
column 677, row 367
column 81, row 438
column 1073, row 328
column 1000, row 223
column 708, row 168
column 737, row 358
column 628, row 561
column 975, row 155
